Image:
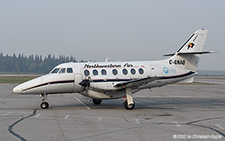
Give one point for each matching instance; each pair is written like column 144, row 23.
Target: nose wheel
column 44, row 104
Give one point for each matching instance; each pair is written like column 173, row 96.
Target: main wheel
column 97, row 101
column 44, row 105
column 128, row 107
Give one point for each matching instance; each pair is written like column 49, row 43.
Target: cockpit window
column 63, row 70
column 69, row 70
column 55, row 70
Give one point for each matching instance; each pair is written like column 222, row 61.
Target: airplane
column 112, row 80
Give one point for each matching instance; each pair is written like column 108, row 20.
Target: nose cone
column 18, row 89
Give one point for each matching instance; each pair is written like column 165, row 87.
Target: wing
column 136, row 82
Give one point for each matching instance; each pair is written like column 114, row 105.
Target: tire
column 44, row 105
column 130, row 107
column 97, row 101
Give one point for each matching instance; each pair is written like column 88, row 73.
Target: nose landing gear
column 44, row 104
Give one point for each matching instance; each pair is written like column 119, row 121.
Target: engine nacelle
column 106, row 95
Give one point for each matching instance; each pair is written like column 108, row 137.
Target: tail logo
column 191, row 45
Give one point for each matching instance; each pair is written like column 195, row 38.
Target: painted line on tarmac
column 177, row 124
column 100, row 118
column 37, row 115
column 66, row 117
column 137, row 120
column 82, row 103
column 219, row 126
column 8, row 113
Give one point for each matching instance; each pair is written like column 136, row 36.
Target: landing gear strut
column 97, row 101
column 129, row 104
column 44, row 104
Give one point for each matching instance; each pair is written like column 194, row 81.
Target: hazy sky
column 117, row 29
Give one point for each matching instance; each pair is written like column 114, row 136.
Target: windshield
column 55, row 70
column 63, row 70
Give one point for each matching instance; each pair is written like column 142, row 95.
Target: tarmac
column 173, row 112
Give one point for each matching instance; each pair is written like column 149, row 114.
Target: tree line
column 32, row 63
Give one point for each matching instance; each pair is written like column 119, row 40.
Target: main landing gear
column 44, row 104
column 129, row 104
column 97, row 101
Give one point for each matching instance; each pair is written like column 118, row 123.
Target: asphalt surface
column 174, row 112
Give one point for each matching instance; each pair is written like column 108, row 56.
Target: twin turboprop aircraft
column 111, row 80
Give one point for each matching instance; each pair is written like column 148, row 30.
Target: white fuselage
column 103, row 77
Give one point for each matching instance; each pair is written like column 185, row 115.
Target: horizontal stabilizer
column 172, row 54
column 189, row 53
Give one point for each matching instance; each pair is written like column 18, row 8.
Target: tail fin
column 188, row 55
column 196, row 42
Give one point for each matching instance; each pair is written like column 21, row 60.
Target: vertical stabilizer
column 196, row 42
column 189, row 53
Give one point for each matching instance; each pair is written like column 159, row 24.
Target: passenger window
column 125, row 71
column 95, row 72
column 114, row 71
column 63, row 70
column 133, row 71
column 141, row 71
column 86, row 73
column 103, row 72
column 69, row 70
column 55, row 70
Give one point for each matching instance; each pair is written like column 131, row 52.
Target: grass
column 16, row 78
